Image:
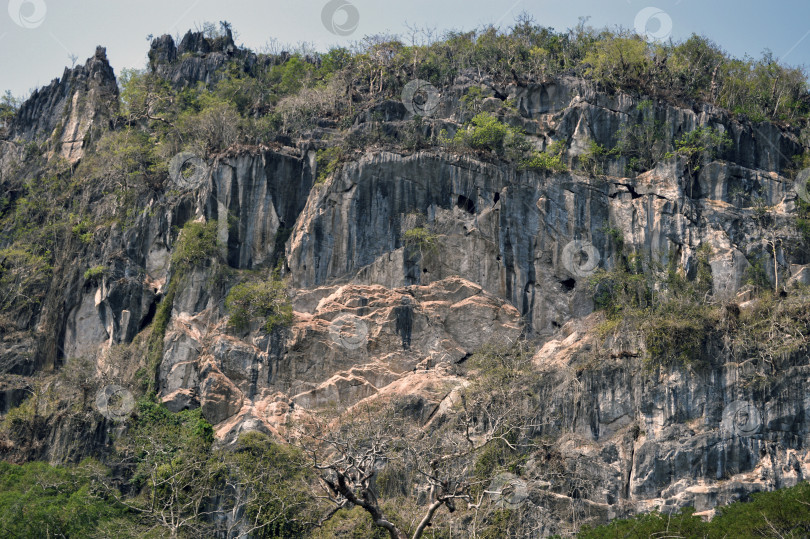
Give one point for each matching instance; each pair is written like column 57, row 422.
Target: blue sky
column 37, row 37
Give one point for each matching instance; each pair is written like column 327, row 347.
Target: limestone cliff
column 376, row 317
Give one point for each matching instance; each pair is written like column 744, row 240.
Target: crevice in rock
column 404, row 317
column 150, row 315
column 463, row 359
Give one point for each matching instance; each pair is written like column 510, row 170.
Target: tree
column 350, row 460
column 172, row 473
column 619, row 61
column 694, row 64
column 39, row 500
column 265, row 488
column 266, row 299
column 145, row 97
column 125, row 157
column 376, row 449
column 702, row 142
column 641, row 140
column 8, row 109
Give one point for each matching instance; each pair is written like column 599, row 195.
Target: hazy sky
column 37, row 37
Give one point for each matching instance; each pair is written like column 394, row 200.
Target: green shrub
column 642, row 140
column 94, row 273
column 692, row 146
column 673, row 313
column 24, row 278
column 486, row 132
column 265, row 299
column 677, row 333
column 327, row 162
column 126, row 158
column 782, row 513
column 40, row 500
column 354, row 523
column 593, row 160
column 498, row 524
column 619, row 61
column 420, row 238
column 196, row 244
column 550, row 160
column 472, row 99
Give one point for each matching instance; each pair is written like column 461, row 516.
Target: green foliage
column 280, row 476
column 126, row 158
column 783, row 513
column 619, row 291
column 677, row 333
column 472, row 99
column 196, row 244
column 693, row 65
column 210, row 122
column 496, row 457
column 24, row 278
column 184, row 430
column 9, row 105
column 420, row 238
column 756, row 274
column 641, row 141
column 327, row 162
column 39, row 500
column 154, row 350
column 168, row 456
column 486, row 132
column 549, row 160
column 266, row 299
column 95, row 273
column 498, row 524
column 763, row 89
column 502, row 377
column 593, row 160
column 619, row 61
column 41, row 401
column 82, row 229
column 692, row 146
column 354, row 523
column 145, row 97
column 803, row 211
column 672, row 311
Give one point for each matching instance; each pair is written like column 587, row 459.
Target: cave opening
column 466, row 204
column 568, row 284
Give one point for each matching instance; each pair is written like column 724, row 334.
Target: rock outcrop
column 376, row 316
column 347, row 343
column 197, row 58
column 65, row 111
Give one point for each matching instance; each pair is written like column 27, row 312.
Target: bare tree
column 437, row 459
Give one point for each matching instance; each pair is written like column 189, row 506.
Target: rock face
column 196, row 59
column 376, row 316
column 637, row 439
column 347, row 343
column 65, row 110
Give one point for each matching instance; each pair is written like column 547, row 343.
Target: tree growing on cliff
column 350, row 460
column 380, row 459
column 179, row 484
